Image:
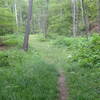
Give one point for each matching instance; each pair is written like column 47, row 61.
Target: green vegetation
column 33, row 74
column 58, row 56
column 83, row 70
column 25, row 76
column 7, row 21
column 82, row 79
column 88, row 54
column 12, row 40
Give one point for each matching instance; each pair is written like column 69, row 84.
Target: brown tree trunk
column 46, row 20
column 75, row 17
column 82, row 10
column 86, row 19
column 16, row 14
column 26, row 37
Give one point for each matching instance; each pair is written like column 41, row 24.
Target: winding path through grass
column 62, row 87
column 52, row 55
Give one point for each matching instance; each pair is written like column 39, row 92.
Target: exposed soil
column 3, row 47
column 94, row 27
column 62, row 87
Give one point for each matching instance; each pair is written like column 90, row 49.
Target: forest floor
column 63, row 88
column 56, row 56
column 43, row 59
column 45, row 72
column 3, row 47
column 75, row 83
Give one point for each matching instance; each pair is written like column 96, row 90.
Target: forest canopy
column 63, row 17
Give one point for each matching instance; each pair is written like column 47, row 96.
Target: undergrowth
column 83, row 70
column 28, row 76
column 11, row 40
column 82, row 65
column 25, row 76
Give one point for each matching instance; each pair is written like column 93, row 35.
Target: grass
column 27, row 77
column 33, row 75
column 83, row 83
column 83, row 80
column 11, row 40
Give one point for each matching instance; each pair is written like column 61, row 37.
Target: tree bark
column 82, row 9
column 86, row 19
column 16, row 13
column 26, row 37
column 46, row 20
column 75, row 17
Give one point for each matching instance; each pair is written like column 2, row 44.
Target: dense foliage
column 84, row 69
column 88, row 54
column 82, row 66
column 64, row 45
column 51, row 16
column 60, row 16
column 7, row 19
column 25, row 76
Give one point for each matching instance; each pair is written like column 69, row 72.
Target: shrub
column 3, row 59
column 30, row 78
column 63, row 41
column 7, row 21
column 88, row 54
column 10, row 58
column 12, row 40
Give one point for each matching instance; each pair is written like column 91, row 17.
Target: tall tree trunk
column 82, row 10
column 26, row 37
column 75, row 20
column 60, row 8
column 46, row 20
column 20, row 19
column 86, row 20
column 41, row 20
column 16, row 13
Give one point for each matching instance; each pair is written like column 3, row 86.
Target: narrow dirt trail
column 63, row 90
column 3, row 47
column 55, row 56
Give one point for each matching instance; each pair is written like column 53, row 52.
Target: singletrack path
column 62, row 87
column 56, row 56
